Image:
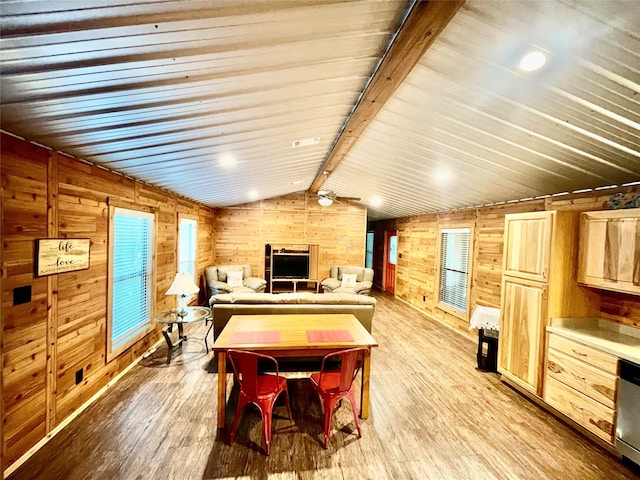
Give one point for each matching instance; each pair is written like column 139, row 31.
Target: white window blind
column 454, row 267
column 187, row 241
column 132, row 258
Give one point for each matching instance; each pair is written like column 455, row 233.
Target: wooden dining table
column 292, row 335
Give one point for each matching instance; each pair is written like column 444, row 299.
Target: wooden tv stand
column 310, row 251
column 295, row 282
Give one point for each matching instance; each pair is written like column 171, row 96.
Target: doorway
column 390, row 260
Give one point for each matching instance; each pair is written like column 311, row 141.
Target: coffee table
column 288, row 336
column 171, row 318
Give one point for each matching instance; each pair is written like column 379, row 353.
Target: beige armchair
column 348, row 279
column 232, row 279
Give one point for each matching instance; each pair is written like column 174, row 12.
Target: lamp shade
column 325, row 201
column 183, row 285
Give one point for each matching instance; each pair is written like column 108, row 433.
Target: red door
column 390, row 257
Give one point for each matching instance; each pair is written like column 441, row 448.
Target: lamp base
column 182, row 311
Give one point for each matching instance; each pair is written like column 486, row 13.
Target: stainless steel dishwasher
column 628, row 428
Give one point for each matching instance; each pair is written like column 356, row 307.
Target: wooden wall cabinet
column 528, row 245
column 538, row 283
column 610, row 250
column 581, row 382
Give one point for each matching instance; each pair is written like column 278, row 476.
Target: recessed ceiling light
column 442, row 176
column 376, row 201
column 296, row 182
column 532, row 61
column 253, row 194
column 227, row 160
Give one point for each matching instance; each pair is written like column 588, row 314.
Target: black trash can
column 488, row 350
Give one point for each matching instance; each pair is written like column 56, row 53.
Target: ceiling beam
column 422, row 26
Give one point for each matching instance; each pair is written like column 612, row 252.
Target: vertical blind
column 454, row 267
column 187, row 237
column 132, row 274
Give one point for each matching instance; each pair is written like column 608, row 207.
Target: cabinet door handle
column 577, row 407
column 580, row 354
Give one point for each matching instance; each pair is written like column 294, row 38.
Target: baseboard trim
column 15, row 465
column 438, row 321
column 561, row 416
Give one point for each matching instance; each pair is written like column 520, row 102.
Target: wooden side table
column 172, row 317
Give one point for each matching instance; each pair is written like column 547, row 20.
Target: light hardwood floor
column 433, row 415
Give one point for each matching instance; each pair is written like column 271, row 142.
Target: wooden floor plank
column 433, row 415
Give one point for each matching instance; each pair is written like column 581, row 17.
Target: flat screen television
column 290, row 266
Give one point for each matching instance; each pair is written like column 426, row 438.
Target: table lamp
column 182, row 286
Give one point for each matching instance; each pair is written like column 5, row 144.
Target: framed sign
column 58, row 255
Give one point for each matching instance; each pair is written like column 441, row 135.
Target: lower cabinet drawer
column 603, row 361
column 591, row 381
column 592, row 415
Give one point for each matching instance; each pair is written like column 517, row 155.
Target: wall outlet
column 22, row 295
column 79, row 376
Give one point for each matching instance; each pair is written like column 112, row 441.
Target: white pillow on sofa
column 349, row 279
column 234, row 279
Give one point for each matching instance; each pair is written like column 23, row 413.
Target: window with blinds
column 131, row 268
column 454, row 267
column 187, row 241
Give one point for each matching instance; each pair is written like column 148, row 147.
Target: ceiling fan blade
column 327, row 194
column 324, row 192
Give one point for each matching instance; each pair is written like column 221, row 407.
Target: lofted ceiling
column 420, row 104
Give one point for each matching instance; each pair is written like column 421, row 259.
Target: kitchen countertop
column 611, row 337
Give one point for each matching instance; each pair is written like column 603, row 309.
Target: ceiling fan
column 326, row 196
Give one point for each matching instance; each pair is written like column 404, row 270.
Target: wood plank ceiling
column 205, row 98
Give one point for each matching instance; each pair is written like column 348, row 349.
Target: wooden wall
column 340, row 230
column 62, row 329
column 417, row 268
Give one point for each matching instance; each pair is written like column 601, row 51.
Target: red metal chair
column 260, row 389
column 335, row 383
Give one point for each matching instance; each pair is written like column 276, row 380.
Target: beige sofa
column 223, row 306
